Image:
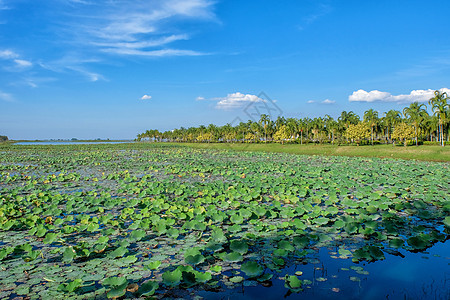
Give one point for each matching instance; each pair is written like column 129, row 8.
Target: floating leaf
column 239, row 246
column 172, row 279
column 153, row 265
column 236, row 279
column 252, row 269
column 148, row 288
column 194, row 259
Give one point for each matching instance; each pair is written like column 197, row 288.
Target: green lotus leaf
column 153, row 265
column 236, row 219
column 235, row 228
column 114, row 281
column 137, row 235
column 117, row 291
column 236, row 279
column 293, row 283
column 68, row 254
column 321, row 221
column 216, row 269
column 148, row 288
column 119, row 252
column 233, row 257
column 417, row 242
column 239, row 246
column 286, row 245
column 447, row 221
column 128, row 259
column 265, row 277
column 70, row 286
column 301, row 241
column 172, row 279
column 202, row 276
column 396, row 243
column 252, row 269
column 50, row 238
column 22, row 289
column 194, row 259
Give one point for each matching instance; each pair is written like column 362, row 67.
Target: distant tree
column 263, row 121
column 440, row 107
column 415, row 114
column 390, row 120
column 346, row 119
column 403, row 132
column 371, row 117
column 358, row 132
column 3, row 138
column 282, row 134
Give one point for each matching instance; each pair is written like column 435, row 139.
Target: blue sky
column 112, row 69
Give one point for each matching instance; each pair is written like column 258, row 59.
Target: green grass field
column 424, row 153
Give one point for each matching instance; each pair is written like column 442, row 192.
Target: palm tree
column 264, row 120
column 416, row 114
column 331, row 126
column 346, row 119
column 371, row 117
column 440, row 107
column 392, row 118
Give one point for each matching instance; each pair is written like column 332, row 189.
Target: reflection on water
column 423, row 275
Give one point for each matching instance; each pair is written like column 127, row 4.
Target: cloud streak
column 138, row 28
column 378, row 96
column 6, row 97
column 326, row 101
column 146, row 97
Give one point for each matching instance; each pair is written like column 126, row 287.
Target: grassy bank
column 425, row 153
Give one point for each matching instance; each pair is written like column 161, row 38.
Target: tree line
column 411, row 125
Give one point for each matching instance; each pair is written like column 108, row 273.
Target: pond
column 69, row 143
column 423, row 275
column 132, row 220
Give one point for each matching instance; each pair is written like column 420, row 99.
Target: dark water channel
column 423, row 275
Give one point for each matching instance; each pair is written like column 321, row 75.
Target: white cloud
column 8, row 54
column 138, row 27
column 236, row 100
column 199, row 98
column 23, row 63
column 146, row 97
column 153, row 53
column 6, row 97
column 378, row 96
column 326, row 101
column 91, row 76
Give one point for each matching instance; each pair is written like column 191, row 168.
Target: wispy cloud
column 23, row 63
column 6, row 97
column 8, row 54
column 326, row 101
column 378, row 96
column 15, row 63
column 146, row 97
column 322, row 10
column 3, row 6
column 75, row 63
column 138, row 28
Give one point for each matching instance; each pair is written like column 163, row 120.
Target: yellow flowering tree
column 403, row 132
column 358, row 132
